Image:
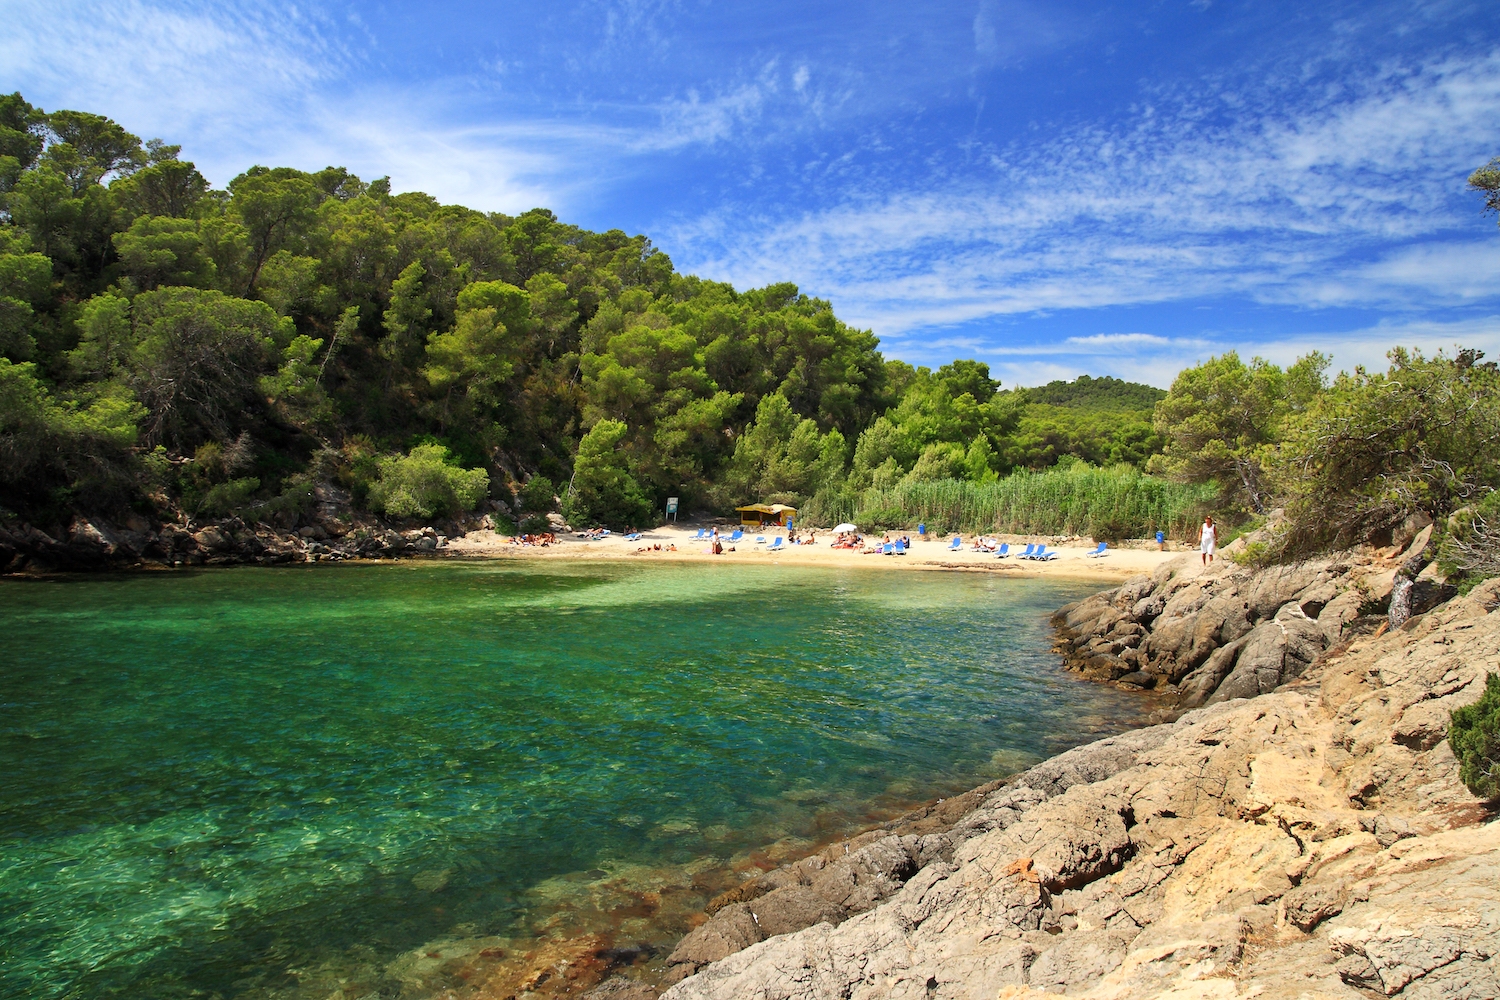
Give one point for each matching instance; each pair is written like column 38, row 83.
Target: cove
column 287, row 782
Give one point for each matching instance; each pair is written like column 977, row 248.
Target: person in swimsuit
column 1209, row 540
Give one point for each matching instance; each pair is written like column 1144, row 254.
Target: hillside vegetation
column 190, row 353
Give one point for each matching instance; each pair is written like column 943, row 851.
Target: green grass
column 1118, row 502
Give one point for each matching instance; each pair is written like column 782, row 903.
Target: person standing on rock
column 1209, row 540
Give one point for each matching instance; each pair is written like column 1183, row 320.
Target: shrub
column 423, row 482
column 226, row 498
column 1474, row 736
column 1470, row 549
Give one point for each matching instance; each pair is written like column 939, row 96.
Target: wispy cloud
column 1156, row 360
column 287, row 85
column 1274, row 195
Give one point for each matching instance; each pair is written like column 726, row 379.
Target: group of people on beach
column 904, row 541
column 545, row 538
column 1208, row 541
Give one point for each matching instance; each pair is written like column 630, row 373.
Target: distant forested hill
column 1104, row 421
column 1103, row 393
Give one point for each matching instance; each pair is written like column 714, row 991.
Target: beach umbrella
column 844, row 529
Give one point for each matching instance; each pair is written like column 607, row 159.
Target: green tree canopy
column 1221, row 421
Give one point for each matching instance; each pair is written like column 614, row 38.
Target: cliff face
column 1311, row 841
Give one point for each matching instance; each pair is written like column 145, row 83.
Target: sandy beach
column 932, row 554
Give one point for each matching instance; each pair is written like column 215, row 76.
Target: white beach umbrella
column 844, row 529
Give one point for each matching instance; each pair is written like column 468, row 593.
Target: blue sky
column 1055, row 188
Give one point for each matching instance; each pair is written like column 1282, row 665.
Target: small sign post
column 672, row 508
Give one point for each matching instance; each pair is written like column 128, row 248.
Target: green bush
column 1469, row 550
column 226, row 498
column 423, row 483
column 1474, row 736
column 874, row 518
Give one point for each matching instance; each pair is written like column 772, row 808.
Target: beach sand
column 1073, row 561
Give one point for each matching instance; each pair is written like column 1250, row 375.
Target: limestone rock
column 730, row 930
column 620, row 988
column 792, row 908
column 1310, row 841
column 1274, row 653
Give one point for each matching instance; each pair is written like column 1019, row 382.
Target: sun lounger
column 900, row 548
column 760, row 539
column 633, row 537
column 1004, row 551
column 888, row 549
column 1102, row 550
column 738, row 534
column 776, row 542
column 1030, row 551
column 1042, row 555
column 702, row 534
column 958, row 543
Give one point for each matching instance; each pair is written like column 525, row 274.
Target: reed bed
column 1111, row 503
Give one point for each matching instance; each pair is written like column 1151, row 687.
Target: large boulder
column 1274, row 653
column 1198, row 686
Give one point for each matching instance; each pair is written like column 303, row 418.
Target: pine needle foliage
column 1474, row 736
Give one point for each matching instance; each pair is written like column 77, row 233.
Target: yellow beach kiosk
column 758, row 515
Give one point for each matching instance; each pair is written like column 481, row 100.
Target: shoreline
column 1268, row 845
column 1073, row 561
column 627, row 952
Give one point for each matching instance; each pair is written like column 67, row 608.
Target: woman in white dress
column 1209, row 540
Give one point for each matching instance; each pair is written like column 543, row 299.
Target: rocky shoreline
column 1303, row 833
column 135, row 542
column 1233, row 631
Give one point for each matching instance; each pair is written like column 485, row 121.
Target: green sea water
column 214, row 781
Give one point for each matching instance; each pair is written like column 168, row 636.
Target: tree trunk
column 1406, row 578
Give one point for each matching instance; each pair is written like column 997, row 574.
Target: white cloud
column 1156, row 360
column 1275, row 195
column 279, row 84
column 1442, row 273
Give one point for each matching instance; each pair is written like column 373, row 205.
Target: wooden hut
column 758, row 515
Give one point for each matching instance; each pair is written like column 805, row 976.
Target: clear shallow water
column 215, row 782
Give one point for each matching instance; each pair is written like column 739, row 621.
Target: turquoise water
column 215, row 782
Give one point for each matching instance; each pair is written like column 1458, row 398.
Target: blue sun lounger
column 1004, row 551
column 958, row 543
column 1102, row 550
column 1042, row 555
column 738, row 534
column 1030, row 551
column 888, row 549
column 702, row 534
column 900, row 548
column 776, row 543
column 634, row 537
